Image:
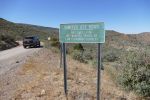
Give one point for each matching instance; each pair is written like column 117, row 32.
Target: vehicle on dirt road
column 31, row 41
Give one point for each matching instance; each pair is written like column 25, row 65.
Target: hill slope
column 19, row 30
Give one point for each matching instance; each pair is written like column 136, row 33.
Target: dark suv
column 31, row 41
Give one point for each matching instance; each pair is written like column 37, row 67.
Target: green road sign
column 82, row 33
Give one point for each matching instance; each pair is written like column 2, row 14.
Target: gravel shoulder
column 14, row 57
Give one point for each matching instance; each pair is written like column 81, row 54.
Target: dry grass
column 45, row 81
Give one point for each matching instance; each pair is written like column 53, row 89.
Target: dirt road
column 14, row 57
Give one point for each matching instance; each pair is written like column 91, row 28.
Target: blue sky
column 126, row 16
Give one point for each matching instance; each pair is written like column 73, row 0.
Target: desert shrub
column 55, row 42
column 87, row 55
column 55, row 50
column 95, row 64
column 7, row 38
column 111, row 55
column 7, row 41
column 78, row 55
column 135, row 74
column 2, row 46
column 78, row 47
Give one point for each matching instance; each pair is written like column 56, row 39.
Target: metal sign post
column 65, row 68
column 99, row 72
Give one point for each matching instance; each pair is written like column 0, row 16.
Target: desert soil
column 41, row 78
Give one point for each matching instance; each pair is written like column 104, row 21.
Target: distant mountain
column 113, row 37
column 142, row 38
column 145, row 36
column 18, row 30
column 41, row 28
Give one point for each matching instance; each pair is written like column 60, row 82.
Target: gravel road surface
column 14, row 57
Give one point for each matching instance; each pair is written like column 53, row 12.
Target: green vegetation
column 78, row 47
column 135, row 74
column 6, row 42
column 78, row 55
column 55, row 42
column 112, row 54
